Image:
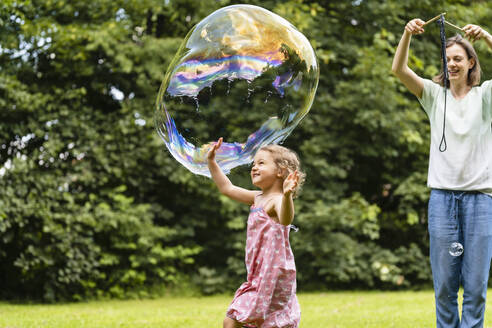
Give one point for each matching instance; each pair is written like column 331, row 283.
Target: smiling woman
column 463, row 65
column 460, row 205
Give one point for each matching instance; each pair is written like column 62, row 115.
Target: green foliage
column 80, row 218
column 92, row 204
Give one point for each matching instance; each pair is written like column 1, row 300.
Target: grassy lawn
column 319, row 310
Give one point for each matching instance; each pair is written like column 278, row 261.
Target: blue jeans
column 464, row 217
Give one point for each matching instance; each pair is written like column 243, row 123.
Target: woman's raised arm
column 400, row 68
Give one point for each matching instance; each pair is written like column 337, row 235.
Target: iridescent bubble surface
column 243, row 73
column 456, row 249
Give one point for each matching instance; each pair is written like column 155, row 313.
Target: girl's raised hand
column 474, row 32
column 415, row 26
column 213, row 150
column 290, row 184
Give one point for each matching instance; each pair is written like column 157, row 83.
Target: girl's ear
column 280, row 173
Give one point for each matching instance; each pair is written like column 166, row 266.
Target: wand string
column 443, row 145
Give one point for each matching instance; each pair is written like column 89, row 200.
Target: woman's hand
column 475, row 32
column 213, row 150
column 415, row 26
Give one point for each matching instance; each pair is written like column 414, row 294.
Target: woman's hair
column 288, row 161
column 474, row 72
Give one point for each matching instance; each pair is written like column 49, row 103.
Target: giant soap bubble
column 243, row 73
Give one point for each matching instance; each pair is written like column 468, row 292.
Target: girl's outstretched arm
column 223, row 183
column 400, row 68
column 286, row 204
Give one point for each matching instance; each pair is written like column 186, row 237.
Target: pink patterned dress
column 268, row 299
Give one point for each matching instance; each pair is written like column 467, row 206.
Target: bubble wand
column 445, row 22
column 454, row 26
column 433, row 19
column 443, row 145
column 441, row 21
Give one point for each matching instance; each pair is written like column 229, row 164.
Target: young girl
column 268, row 298
column 460, row 204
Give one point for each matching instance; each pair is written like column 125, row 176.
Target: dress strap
column 293, row 227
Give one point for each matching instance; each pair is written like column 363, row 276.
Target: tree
column 92, row 204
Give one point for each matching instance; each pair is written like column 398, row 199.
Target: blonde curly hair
column 288, row 161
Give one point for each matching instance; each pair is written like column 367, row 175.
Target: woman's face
column 458, row 63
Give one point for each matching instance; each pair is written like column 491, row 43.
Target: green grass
column 319, row 310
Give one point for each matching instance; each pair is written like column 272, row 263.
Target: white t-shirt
column 467, row 162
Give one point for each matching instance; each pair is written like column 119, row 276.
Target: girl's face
column 458, row 63
column 264, row 171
